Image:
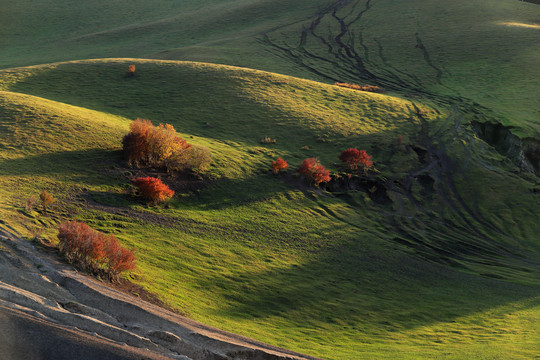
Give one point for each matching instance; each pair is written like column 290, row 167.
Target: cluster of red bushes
column 370, row 88
column 153, row 189
column 312, row 169
column 159, row 146
column 94, row 251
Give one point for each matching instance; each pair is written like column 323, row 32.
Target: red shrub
column 279, row 164
column 306, row 168
column 320, row 174
column 153, row 189
column 355, row 158
column 93, row 251
column 130, row 70
column 313, row 170
column 119, row 259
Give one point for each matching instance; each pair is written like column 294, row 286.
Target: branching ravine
column 427, row 58
column 440, row 168
column 342, row 55
column 348, row 57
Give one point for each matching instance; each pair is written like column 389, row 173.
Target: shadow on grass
column 358, row 286
column 84, row 166
column 232, row 193
column 203, row 101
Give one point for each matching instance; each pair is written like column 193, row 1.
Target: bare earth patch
column 49, row 310
column 521, row 25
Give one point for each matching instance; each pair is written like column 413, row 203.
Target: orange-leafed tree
column 279, row 164
column 320, row 174
column 164, row 143
column 136, row 144
column 157, row 146
column 355, row 158
column 153, row 189
column 306, row 168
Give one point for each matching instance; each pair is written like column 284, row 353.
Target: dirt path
column 49, row 310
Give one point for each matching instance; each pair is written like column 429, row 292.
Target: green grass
column 338, row 275
column 460, row 50
column 445, row 267
column 138, row 28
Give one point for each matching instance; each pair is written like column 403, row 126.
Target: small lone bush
column 355, row 158
column 30, row 203
column 153, row 189
column 130, row 70
column 279, row 164
column 46, row 199
column 313, row 170
column 94, row 251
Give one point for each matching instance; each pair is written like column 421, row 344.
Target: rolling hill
column 436, row 255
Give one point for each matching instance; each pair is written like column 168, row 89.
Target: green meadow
column 437, row 257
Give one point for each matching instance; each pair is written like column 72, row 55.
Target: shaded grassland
column 479, row 53
column 444, row 265
column 139, row 28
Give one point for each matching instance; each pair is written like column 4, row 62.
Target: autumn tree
column 159, row 146
column 136, row 144
column 279, row 164
column 130, row 70
column 46, row 199
column 117, row 257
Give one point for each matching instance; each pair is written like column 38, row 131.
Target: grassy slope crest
column 433, row 268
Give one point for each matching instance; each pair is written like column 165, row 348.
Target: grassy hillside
column 478, row 52
column 139, row 28
column 436, row 256
column 441, row 260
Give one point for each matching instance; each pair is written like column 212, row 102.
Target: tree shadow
column 90, row 166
